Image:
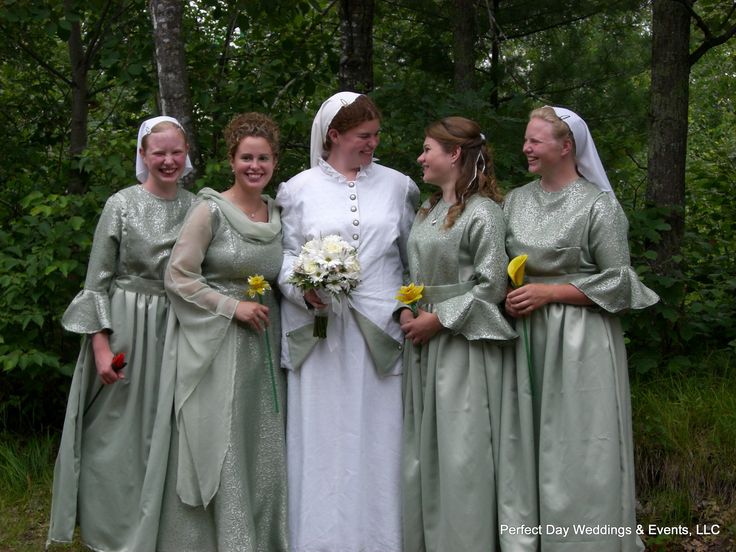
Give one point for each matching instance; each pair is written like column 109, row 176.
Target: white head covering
column 586, row 156
column 141, row 171
column 322, row 121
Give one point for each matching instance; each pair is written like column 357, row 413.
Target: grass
column 26, row 474
column 685, row 440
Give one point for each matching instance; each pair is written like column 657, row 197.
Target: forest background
column 653, row 79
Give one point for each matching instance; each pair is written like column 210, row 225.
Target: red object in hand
column 118, row 362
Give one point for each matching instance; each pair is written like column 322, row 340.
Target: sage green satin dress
column 462, row 475
column 226, row 480
column 580, row 385
column 110, row 469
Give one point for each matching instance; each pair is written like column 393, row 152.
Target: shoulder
column 388, row 174
column 315, row 174
column 482, row 206
column 393, row 180
column 297, row 182
column 126, row 195
column 185, row 196
column 606, row 207
column 524, row 190
column 483, row 211
column 120, row 201
column 597, row 200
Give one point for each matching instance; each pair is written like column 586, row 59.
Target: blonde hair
column 162, row 127
column 560, row 130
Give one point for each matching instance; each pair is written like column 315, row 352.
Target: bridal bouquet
column 326, row 265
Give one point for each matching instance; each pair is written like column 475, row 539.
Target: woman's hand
column 526, row 299
column 103, row 359
column 313, row 299
column 422, row 328
column 405, row 316
column 252, row 313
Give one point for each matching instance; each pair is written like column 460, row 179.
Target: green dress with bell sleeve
column 580, row 387
column 461, row 476
column 110, row 469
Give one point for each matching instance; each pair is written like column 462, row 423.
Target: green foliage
column 282, row 58
column 44, row 244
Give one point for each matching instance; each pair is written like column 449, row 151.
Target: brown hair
column 475, row 163
column 162, row 127
column 560, row 130
column 349, row 116
column 254, row 124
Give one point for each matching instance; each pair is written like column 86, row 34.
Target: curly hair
column 251, row 124
column 475, row 164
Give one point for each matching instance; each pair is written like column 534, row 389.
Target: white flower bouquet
column 330, row 265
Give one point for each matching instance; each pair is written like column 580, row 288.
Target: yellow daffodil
column 516, row 270
column 410, row 294
column 257, row 285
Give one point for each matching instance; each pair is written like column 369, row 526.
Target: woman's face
column 437, row 163
column 253, row 163
column 355, row 146
column 543, row 151
column 165, row 156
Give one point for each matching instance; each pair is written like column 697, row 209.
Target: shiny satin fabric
column 580, row 389
column 111, row 464
column 466, row 469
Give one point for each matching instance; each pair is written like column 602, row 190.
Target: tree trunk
column 80, row 108
column 495, row 56
column 174, row 97
column 463, row 32
column 669, row 121
column 356, row 62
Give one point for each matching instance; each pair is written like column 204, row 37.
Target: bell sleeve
column 616, row 286
column 475, row 314
column 89, row 312
column 203, row 395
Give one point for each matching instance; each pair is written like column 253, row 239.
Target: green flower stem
column 270, row 364
column 320, row 326
column 527, row 348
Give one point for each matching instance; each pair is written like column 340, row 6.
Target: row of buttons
column 354, row 209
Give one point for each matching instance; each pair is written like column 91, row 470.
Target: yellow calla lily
column 410, row 294
column 257, row 285
column 516, row 270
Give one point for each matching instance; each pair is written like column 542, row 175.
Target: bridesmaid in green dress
column 462, row 482
column 110, row 469
column 578, row 277
column 226, row 479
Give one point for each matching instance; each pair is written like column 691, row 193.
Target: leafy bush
column 44, row 246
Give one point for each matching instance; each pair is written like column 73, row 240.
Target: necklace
column 437, row 212
column 254, row 213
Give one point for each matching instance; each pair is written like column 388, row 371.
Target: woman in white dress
column 344, row 392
